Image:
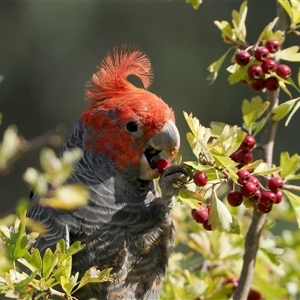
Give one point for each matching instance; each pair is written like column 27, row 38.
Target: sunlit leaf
column 214, row 67
column 289, row 165
column 283, row 109
column 195, row 3
column 269, row 27
column 262, row 169
column 197, row 166
column 219, row 216
column 67, row 197
column 294, row 109
column 68, row 283
column 253, row 109
column 94, row 275
column 295, row 202
column 189, row 197
column 273, row 254
column 289, row 54
column 239, row 21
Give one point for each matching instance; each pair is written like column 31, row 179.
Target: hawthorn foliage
column 216, row 210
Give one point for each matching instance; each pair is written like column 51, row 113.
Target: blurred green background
column 49, row 50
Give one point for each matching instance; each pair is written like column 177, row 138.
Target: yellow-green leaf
column 195, row 3
column 289, row 165
column 219, row 216
column 283, row 109
column 253, row 109
column 289, row 54
column 269, row 27
column 189, row 197
column 295, row 202
column 214, row 67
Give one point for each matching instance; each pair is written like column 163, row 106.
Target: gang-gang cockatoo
column 126, row 223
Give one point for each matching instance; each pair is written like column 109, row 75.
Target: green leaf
column 289, row 54
column 277, row 35
column 258, row 126
column 273, row 254
column 269, row 27
column 214, row 67
column 94, row 275
column 195, row 3
column 286, row 6
column 197, row 166
column 35, row 259
column 49, row 263
column 219, row 216
column 227, row 163
column 189, row 197
column 68, row 197
column 295, row 202
column 283, row 109
column 294, row 109
column 226, row 29
column 23, row 283
column 68, row 283
column 262, row 169
column 289, row 165
column 253, row 109
column 239, row 21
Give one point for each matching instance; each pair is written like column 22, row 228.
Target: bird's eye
column 131, row 126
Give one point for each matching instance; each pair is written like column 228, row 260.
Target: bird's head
column 130, row 125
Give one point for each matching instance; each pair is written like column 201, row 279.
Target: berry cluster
column 201, row 216
column 243, row 155
column 252, row 189
column 262, row 66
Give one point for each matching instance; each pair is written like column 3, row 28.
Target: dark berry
column 254, row 295
column 207, row 226
column 275, row 183
column 248, row 143
column 261, row 53
column 162, row 164
column 268, row 66
column 267, row 198
column 255, row 196
column 248, row 189
column 273, row 45
column 243, row 175
column 200, row 215
column 243, row 81
column 235, row 198
column 258, row 85
column 254, row 72
column 272, row 84
column 264, row 209
column 242, row 157
column 254, row 180
column 284, row 71
column 279, row 196
column 200, row 179
column 242, row 57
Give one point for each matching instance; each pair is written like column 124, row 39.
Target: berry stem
column 258, row 219
column 291, row 187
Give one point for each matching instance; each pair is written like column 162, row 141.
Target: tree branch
column 258, row 219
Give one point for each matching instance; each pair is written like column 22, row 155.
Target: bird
column 126, row 223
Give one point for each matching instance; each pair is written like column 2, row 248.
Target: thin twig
column 291, row 187
column 258, row 219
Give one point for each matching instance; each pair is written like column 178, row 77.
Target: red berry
column 254, row 72
column 284, row 71
column 162, row 164
column 207, row 226
column 273, row 45
column 275, row 183
column 248, row 143
column 258, row 85
column 263, row 208
column 267, row 198
column 243, row 175
column 235, row 198
column 279, row 196
column 261, row 53
column 242, row 57
column 254, row 295
column 248, row 189
column 254, row 180
column 242, row 157
column 272, row 84
column 255, row 196
column 200, row 179
column 200, row 215
column 268, row 66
